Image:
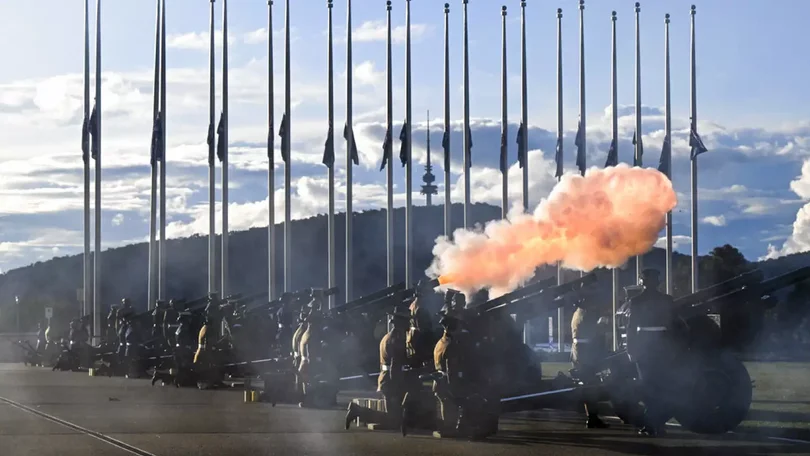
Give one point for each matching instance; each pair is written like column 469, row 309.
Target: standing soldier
column 420, row 339
column 208, row 337
column 588, row 351
column 318, row 370
column 650, row 316
column 393, row 381
column 296, row 350
column 451, row 358
column 157, row 319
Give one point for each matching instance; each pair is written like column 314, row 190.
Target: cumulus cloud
column 799, row 239
column 377, row 30
column 716, row 220
column 678, row 241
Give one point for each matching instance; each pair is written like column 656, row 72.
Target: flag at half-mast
column 157, row 140
column 666, row 157
column 387, row 149
column 504, row 152
column 85, row 139
column 329, row 147
column 282, row 133
column 469, row 146
column 221, row 149
column 349, row 133
column 521, row 151
column 638, row 156
column 92, row 128
column 446, row 147
column 580, row 143
column 210, row 141
column 613, row 155
column 403, row 150
column 696, row 143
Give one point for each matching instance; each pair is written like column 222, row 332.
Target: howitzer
column 370, row 298
column 537, row 298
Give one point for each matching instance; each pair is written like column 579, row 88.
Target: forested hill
column 55, row 282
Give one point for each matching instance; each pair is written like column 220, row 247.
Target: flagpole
column 388, row 149
column 331, row 168
column 582, row 113
column 153, row 254
column 288, row 164
column 693, row 170
column 349, row 146
column 466, row 133
column 615, row 141
column 225, row 158
column 97, row 140
column 162, row 245
column 212, row 119
column 448, row 203
column 504, row 120
column 408, row 150
column 668, row 134
column 638, row 152
column 86, row 291
column 271, row 162
column 560, row 330
column 524, row 109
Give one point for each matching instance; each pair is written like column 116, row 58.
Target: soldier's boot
column 354, row 411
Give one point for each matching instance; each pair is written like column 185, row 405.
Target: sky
column 754, row 183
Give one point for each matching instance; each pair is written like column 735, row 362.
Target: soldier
column 650, row 316
column 451, row 358
column 112, row 331
column 296, row 348
column 157, row 319
column 393, row 382
column 318, row 370
column 170, row 318
column 588, row 351
column 420, row 336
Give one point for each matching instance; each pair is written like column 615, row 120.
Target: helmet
column 650, row 278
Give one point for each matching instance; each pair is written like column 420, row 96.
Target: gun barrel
column 371, row 298
column 522, row 292
column 721, row 289
column 547, row 295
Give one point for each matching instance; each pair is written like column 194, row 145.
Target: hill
column 55, row 282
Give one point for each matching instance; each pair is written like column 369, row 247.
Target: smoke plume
column 599, row 220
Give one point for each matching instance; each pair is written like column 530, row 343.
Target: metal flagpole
column 408, row 151
column 331, row 168
column 224, row 139
column 86, row 291
column 639, row 148
column 388, row 150
column 466, row 133
column 97, row 142
column 271, row 162
column 349, row 146
column 153, row 254
column 448, row 204
column 693, row 170
column 504, row 121
column 668, row 135
column 582, row 113
column 288, row 163
column 524, row 107
column 615, row 145
column 212, row 119
column 560, row 330
column 162, row 245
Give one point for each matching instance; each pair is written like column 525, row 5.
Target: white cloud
column 377, row 30
column 678, row 241
column 716, row 220
column 799, row 239
column 118, row 219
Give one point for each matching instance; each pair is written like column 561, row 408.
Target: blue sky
column 752, row 97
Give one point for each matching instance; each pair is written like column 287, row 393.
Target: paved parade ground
column 63, row 413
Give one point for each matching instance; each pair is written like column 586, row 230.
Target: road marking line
column 790, row 440
column 94, row 434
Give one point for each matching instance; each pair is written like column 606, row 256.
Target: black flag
column 85, row 139
column 403, row 150
column 157, row 140
column 329, row 147
column 580, row 147
column 666, row 156
column 504, row 153
column 387, row 146
column 271, row 145
column 521, row 152
column 637, row 157
column 613, row 155
column 221, row 153
column 92, row 126
column 210, row 140
column 469, row 146
column 446, row 147
column 282, row 133
column 696, row 143
column 346, row 132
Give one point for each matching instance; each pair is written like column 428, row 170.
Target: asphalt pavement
column 64, row 413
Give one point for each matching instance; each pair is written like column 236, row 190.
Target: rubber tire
column 734, row 388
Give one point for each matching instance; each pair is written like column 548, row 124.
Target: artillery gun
column 711, row 389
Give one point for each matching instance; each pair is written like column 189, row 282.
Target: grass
column 781, row 396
